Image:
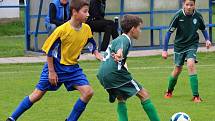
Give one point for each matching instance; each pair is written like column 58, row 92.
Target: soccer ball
column 180, row 116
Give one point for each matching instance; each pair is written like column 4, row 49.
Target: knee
column 36, row 96
column 143, row 95
column 108, row 28
column 88, row 93
column 190, row 66
column 52, row 27
column 110, row 22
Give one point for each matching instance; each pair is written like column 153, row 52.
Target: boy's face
column 189, row 7
column 136, row 31
column 63, row 2
column 82, row 14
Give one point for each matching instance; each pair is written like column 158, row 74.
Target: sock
column 122, row 111
column 77, row 110
column 23, row 106
column 194, row 84
column 172, row 83
column 150, row 110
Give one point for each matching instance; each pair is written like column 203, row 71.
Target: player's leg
column 26, row 103
column 173, row 80
column 86, row 94
column 122, row 109
column 113, row 27
column 102, row 26
column 148, row 105
column 191, row 57
column 50, row 28
column 179, row 62
column 106, row 38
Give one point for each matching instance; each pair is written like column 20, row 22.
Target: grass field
column 12, row 46
column 13, row 28
column 18, row 80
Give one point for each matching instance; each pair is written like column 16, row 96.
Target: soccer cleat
column 196, row 99
column 9, row 119
column 168, row 95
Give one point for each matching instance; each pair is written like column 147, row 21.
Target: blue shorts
column 70, row 76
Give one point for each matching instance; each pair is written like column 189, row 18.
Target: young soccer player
column 63, row 48
column 187, row 21
column 114, row 76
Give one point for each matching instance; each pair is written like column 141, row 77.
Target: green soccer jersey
column 187, row 25
column 111, row 73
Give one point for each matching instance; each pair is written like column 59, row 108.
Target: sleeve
column 202, row 23
column 174, row 23
column 52, row 13
column 166, row 41
column 93, row 46
column 51, row 40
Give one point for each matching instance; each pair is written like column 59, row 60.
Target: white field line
column 133, row 68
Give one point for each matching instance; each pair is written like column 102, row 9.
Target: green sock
column 122, row 111
column 194, row 84
column 172, row 83
column 150, row 110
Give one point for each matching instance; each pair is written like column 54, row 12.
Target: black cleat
column 8, row 119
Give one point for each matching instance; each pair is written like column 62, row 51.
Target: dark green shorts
column 179, row 58
column 125, row 91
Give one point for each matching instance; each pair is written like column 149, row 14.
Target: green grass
column 13, row 28
column 18, row 80
column 12, row 46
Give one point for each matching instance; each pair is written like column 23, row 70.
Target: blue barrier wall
column 156, row 15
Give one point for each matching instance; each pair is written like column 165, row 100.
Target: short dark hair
column 78, row 4
column 129, row 21
column 190, row 0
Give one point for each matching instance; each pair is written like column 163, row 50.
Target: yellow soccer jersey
column 72, row 42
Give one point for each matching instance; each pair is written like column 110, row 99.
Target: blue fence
column 152, row 28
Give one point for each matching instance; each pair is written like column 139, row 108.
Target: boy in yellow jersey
column 63, row 48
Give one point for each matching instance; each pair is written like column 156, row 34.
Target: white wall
column 9, row 12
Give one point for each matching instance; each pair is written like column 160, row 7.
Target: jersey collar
column 194, row 11
column 127, row 37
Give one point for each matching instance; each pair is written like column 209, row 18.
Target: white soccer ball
column 180, row 116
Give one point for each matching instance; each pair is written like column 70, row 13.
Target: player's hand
column 98, row 55
column 117, row 56
column 208, row 44
column 165, row 54
column 53, row 78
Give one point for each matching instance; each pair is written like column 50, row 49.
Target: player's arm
column 202, row 27
column 53, row 78
column 118, row 56
column 165, row 46
column 93, row 49
column 172, row 27
column 48, row 48
column 207, row 40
